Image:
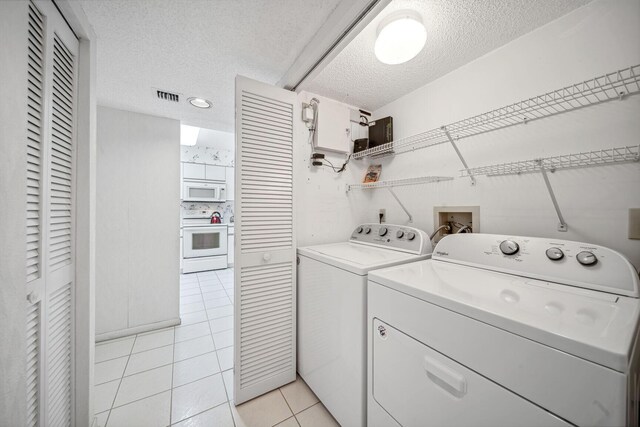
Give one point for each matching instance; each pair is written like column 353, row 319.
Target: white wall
column 219, row 156
column 598, row 38
column 324, row 212
column 138, row 202
column 13, row 181
column 601, row 37
column 216, row 139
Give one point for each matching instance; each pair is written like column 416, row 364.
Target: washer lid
column 357, row 258
column 593, row 325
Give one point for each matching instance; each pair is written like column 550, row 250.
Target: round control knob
column 359, row 230
column 367, row 230
column 586, row 258
column 399, row 234
column 509, row 247
column 382, row 231
column 555, row 254
column 411, row 235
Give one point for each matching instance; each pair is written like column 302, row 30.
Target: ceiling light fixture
column 188, row 135
column 401, row 36
column 200, row 102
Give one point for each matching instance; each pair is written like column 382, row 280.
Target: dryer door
column 418, row 386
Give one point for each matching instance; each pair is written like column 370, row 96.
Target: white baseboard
column 137, row 330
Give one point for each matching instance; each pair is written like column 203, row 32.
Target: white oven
column 203, row 191
column 204, row 241
column 204, row 245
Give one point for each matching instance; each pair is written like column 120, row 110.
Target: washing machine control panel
column 399, row 237
column 561, row 261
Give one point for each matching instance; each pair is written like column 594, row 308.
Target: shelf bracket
column 400, row 203
column 455, row 147
column 562, row 225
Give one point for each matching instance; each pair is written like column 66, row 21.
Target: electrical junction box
column 333, row 130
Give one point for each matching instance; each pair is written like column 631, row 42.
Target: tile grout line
column 202, row 412
column 155, row 348
column 142, row 398
column 106, row 423
column 224, row 384
column 217, row 360
column 225, row 291
column 293, row 414
column 173, row 364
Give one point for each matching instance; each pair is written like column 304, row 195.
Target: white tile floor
column 183, row 376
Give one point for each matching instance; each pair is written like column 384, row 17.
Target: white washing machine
column 505, row 331
column 332, row 311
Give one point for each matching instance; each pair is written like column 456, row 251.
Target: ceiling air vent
column 167, row 96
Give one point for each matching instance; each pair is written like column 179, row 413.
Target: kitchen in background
column 206, row 200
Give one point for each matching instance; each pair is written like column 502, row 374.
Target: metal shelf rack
column 396, row 183
column 551, row 164
column 577, row 160
column 616, row 85
column 399, row 182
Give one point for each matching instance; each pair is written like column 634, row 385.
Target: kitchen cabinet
column 230, row 179
column 203, row 171
column 230, row 243
column 193, row 171
column 215, row 173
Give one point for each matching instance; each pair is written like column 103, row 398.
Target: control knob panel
column 584, row 265
column 399, row 237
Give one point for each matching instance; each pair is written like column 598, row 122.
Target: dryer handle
column 445, row 377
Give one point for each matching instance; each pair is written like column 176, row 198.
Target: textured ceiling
column 196, row 48
column 458, row 31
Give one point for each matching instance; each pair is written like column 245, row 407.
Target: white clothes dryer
column 332, row 311
column 505, row 331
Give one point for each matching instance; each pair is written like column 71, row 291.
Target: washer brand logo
column 442, row 253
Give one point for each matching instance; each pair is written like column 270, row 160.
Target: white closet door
column 52, row 76
column 265, row 249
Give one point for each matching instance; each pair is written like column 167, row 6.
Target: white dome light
column 200, row 102
column 401, row 36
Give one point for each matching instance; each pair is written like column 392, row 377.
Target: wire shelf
column 610, row 86
column 590, row 158
column 399, row 182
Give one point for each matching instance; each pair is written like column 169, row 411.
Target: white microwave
column 204, row 191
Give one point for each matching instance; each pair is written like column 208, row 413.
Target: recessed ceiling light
column 188, row 135
column 200, row 102
column 401, row 36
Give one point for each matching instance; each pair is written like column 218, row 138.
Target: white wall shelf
column 616, row 85
column 577, row 160
column 397, row 183
column 551, row 164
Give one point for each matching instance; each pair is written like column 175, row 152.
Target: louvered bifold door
column 51, row 80
column 35, row 188
column 265, row 251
